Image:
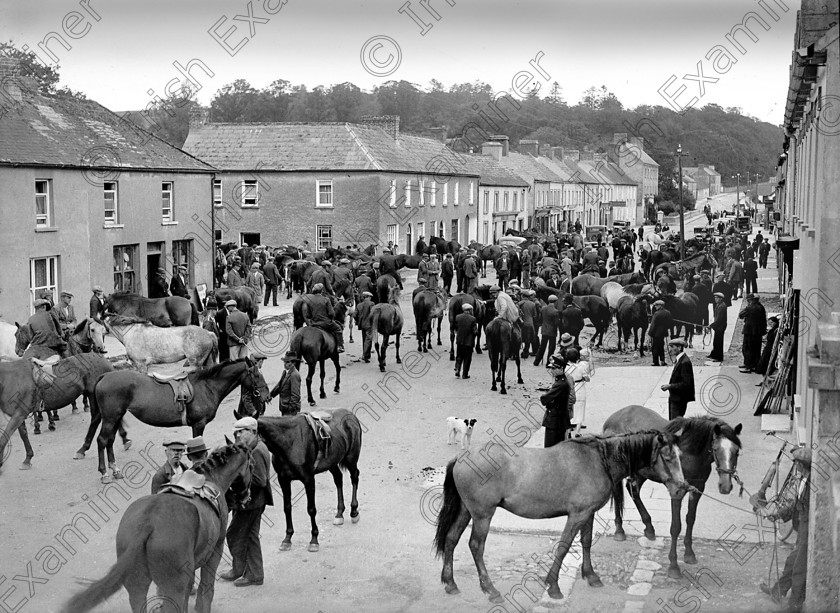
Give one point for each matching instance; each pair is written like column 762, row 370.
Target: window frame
column 407, row 194
column 218, row 202
column 122, row 272
column 455, row 195
column 182, row 254
column 116, row 218
column 496, row 201
column 246, row 183
column 392, row 235
column 47, row 215
column 324, row 183
column 445, row 194
column 36, row 291
column 319, row 238
column 163, row 192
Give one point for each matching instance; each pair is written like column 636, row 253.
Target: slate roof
column 40, row 130
column 528, row 168
column 636, row 152
column 290, row 146
column 491, row 172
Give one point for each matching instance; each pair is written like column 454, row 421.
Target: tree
column 555, row 96
column 30, row 66
column 231, row 102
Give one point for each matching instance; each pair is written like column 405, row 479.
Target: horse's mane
column 122, row 294
column 80, row 326
column 633, row 449
column 127, row 320
column 218, row 458
column 211, row 371
column 697, row 432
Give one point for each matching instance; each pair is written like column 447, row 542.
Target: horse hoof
column 355, row 519
column 127, row 444
column 399, row 361
column 313, row 548
column 105, row 479
column 322, row 395
column 118, row 474
column 620, row 537
column 80, row 455
column 520, row 381
column 451, row 359
column 338, row 521
column 312, row 403
column 554, row 592
column 75, row 411
column 381, row 369
column 26, row 466
column 87, row 410
column 52, row 427
column 285, row 546
column 37, row 431
column 674, row 572
column 452, row 589
column 594, row 580
column 351, row 340
column 335, row 391
column 650, row 535
column 503, row 391
column 439, row 343
column 690, row 558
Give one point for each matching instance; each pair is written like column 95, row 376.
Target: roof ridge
column 361, row 146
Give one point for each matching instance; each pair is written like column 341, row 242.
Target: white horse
column 7, row 341
column 147, row 344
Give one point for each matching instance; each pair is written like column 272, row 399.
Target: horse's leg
column 207, row 582
column 137, row 584
column 337, row 364
column 619, row 513
column 397, row 345
column 676, row 528
column 573, row 523
column 16, row 422
column 380, row 354
column 286, row 489
column 478, row 339
column 95, row 420
column 478, row 538
column 518, row 367
column 310, row 373
column 586, row 570
column 440, row 323
column 335, row 471
column 635, row 487
column 502, row 372
column 105, row 442
column 309, row 486
column 693, row 500
column 124, row 436
column 447, row 576
column 24, row 436
column 51, row 418
column 323, row 371
column 451, row 342
column 354, row 501
column 350, row 326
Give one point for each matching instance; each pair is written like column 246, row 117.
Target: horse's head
column 96, row 334
column 254, row 382
column 230, row 467
column 725, row 449
column 665, row 461
column 394, row 295
column 23, row 336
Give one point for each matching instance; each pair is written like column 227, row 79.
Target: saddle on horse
column 182, row 389
column 318, row 421
column 42, row 370
column 190, row 484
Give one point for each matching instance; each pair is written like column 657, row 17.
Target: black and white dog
column 464, row 427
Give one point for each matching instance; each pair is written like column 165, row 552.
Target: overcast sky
column 634, row 47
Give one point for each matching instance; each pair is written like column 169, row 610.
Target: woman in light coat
column 579, row 369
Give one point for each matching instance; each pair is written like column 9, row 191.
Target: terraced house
column 335, row 184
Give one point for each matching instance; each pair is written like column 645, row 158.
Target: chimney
column 198, row 116
column 529, row 147
column 600, row 157
column 587, row 156
column 557, row 153
column 389, row 123
column 572, row 154
column 619, row 137
column 12, row 81
column 493, row 149
column 439, row 133
column 545, row 149
column 638, row 141
column 503, row 140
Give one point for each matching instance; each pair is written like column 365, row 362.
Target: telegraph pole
column 682, row 211
column 737, row 192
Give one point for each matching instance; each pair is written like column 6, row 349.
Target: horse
column 590, row 285
column 689, row 266
column 387, row 319
column 296, row 456
column 154, row 403
column 428, row 305
column 486, row 253
column 631, row 314
column 503, row 341
column 246, row 299
column 385, row 285
column 146, row 344
column 456, row 308
column 593, row 308
column 162, row 312
column 703, row 441
column 686, row 313
column 165, row 537
column 573, row 478
column 7, row 341
column 412, row 262
column 315, row 345
column 23, row 386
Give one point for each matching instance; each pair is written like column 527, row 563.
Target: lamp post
column 737, row 192
column 682, row 212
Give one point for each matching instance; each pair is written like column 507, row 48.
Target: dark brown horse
column 154, row 403
column 573, row 478
column 163, row 538
column 428, row 305
column 455, row 308
column 503, row 342
column 685, row 310
column 314, row 345
column 703, row 441
column 387, row 320
column 21, row 395
column 593, row 308
column 384, row 286
column 246, row 300
column 631, row 315
column 296, row 457
column 163, row 312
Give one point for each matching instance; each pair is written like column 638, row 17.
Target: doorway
column 155, row 258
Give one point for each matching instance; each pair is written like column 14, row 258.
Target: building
column 91, row 199
column 502, row 195
column 808, row 189
column 629, row 154
column 335, row 184
column 706, row 178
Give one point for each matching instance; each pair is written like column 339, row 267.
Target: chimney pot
column 572, row 154
column 529, row 147
column 493, row 149
column 389, row 123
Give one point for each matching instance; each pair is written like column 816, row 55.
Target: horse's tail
column 194, row 314
column 449, row 511
column 617, row 500
column 101, row 590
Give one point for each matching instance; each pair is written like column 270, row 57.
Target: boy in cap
column 466, row 328
column 288, row 387
column 196, row 450
column 174, row 446
column 243, row 534
column 680, row 387
column 238, row 329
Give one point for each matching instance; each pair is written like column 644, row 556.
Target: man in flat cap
column 722, row 287
column 47, row 337
column 755, row 325
column 680, row 388
column 196, row 450
column 174, row 446
column 718, row 327
column 243, row 534
column 288, row 387
column 238, row 329
column 97, row 304
column 66, row 314
column 764, row 364
column 256, row 282
column 549, row 325
column 660, row 324
column 466, row 328
column 157, row 285
column 178, row 283
column 364, row 323
column 318, row 312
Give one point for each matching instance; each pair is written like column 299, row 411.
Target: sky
column 123, row 53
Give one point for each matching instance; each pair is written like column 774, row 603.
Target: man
column 273, row 280
column 718, row 327
column 288, row 387
column 755, row 325
column 433, row 272
column 243, row 534
column 174, row 446
column 704, row 293
column 97, row 304
column 323, row 276
column 364, row 283
column 318, row 312
column 234, row 279
column 460, row 260
column 680, row 388
column 530, row 313
column 502, row 266
column 795, row 508
column 763, row 253
column 466, row 329
column 577, row 243
column 566, row 265
column 751, row 275
column 550, row 320
column 420, row 247
column 421, row 287
column 157, row 286
column 571, row 318
column 66, row 314
column 660, row 323
column 256, row 282
column 722, row 287
column 45, row 330
column 554, row 281
column 196, row 450
column 470, row 275
column 363, row 322
column 567, row 342
column 505, row 307
column 764, row 366
column 556, row 402
column 736, row 278
column 590, row 261
column 388, row 266
column 178, row 283
column 447, row 271
column 612, row 271
column 238, row 329
column 342, row 276
column 423, row 269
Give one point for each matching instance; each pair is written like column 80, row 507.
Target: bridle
column 731, row 472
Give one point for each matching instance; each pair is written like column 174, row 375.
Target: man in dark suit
column 243, row 534
column 460, row 259
column 66, row 314
column 470, row 274
column 556, row 402
column 388, row 266
column 97, row 304
column 363, row 321
column 681, row 386
column 755, row 325
column 722, row 287
column 530, row 313
column 178, row 284
column 447, row 271
column 719, row 327
column 288, row 387
column 550, row 322
column 751, row 275
column 273, row 280
column 660, row 323
column 174, row 446
column 466, row 328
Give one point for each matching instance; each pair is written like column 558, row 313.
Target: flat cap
column 41, row 302
column 68, row 294
column 326, row 263
column 466, row 307
column 230, row 303
column 96, row 288
column 659, row 303
column 552, row 298
column 317, row 287
column 246, row 423
column 175, row 439
column 677, row 342
column 367, row 294
column 495, row 288
column 719, row 295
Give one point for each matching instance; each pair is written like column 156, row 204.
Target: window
column 167, row 212
column 217, row 192
column 455, row 198
column 441, row 230
column 445, row 193
column 472, row 199
column 393, row 193
column 125, row 268
column 421, row 185
column 250, row 193
column 323, row 237
column 43, row 276
column 392, row 233
column 507, row 201
column 495, row 202
column 433, row 192
column 407, row 193
column 486, row 232
column 456, row 226
column 486, row 201
column 43, row 203
column 325, row 194
column 109, row 193
column 515, row 201
column 421, row 229
column 182, row 255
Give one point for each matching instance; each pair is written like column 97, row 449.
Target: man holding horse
column 243, row 535
column 466, row 328
column 530, row 312
column 238, row 329
column 97, row 304
column 174, row 446
column 660, row 324
column 288, row 387
column 680, row 387
column 318, row 312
